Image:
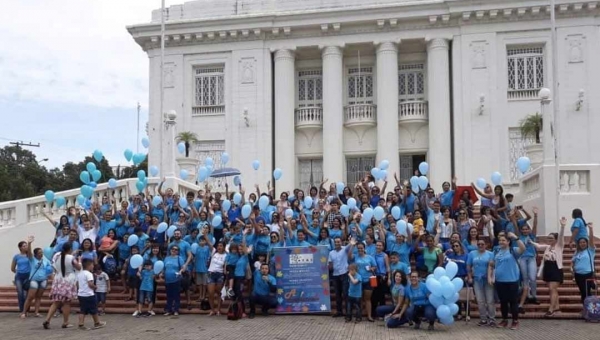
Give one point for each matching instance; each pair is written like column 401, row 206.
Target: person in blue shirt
column 262, row 293
column 447, row 195
column 478, row 263
column 583, row 263
column 41, row 268
column 355, row 292
column 240, row 273
column 391, row 313
column 146, row 294
column 506, row 278
column 261, row 237
column 528, row 263
column 231, row 260
column 579, row 228
column 201, row 261
column 417, row 305
column 172, row 274
column 458, row 256
column 21, row 266
column 366, row 267
column 106, row 224
column 338, row 264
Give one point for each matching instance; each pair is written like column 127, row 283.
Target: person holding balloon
column 459, row 257
column 504, row 274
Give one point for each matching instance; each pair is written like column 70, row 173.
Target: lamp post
column 554, row 124
column 162, row 90
column 169, row 122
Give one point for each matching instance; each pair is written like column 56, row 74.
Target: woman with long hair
column 64, row 285
column 478, row 263
column 458, row 256
column 470, row 243
column 366, row 267
column 528, row 263
column 583, row 264
column 432, row 255
column 464, row 224
column 216, row 278
column 22, row 268
column 88, row 251
column 393, row 318
column 417, row 305
column 497, row 200
column 579, row 228
column 41, row 269
column 551, row 269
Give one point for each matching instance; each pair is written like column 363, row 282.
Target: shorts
column 88, row 305
column 230, row 271
column 367, row 286
column 201, row 278
column 101, row 297
column 133, row 282
column 145, row 296
column 216, row 278
column 37, row 284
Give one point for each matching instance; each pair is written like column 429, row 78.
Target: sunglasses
column 456, row 246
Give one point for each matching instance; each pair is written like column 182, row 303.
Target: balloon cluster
column 445, row 288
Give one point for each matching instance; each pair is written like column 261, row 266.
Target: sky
column 71, row 77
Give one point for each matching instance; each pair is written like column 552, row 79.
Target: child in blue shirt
column 354, row 293
column 201, row 260
column 146, row 294
column 230, row 262
column 133, row 282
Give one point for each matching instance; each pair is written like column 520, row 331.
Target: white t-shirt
column 274, row 227
column 102, row 283
column 69, row 269
column 216, row 263
column 83, row 277
column 92, row 234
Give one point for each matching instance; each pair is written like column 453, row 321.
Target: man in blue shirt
column 338, row 263
column 264, row 287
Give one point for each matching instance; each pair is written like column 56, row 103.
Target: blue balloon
column 277, row 173
column 451, row 269
column 378, row 213
column 308, row 202
column 351, row 203
column 183, row 203
column 345, row 210
column 96, row 175
column 162, row 227
column 375, row 173
column 171, row 231
column 80, row 200
column 216, row 221
column 481, row 183
column 183, row 174
column 145, row 142
column 382, row 174
column 128, row 155
column 90, row 167
column 132, row 240
column 447, row 321
column 237, row 181
column 458, row 283
column 447, row 289
column 181, row 148
column 255, row 164
column 209, row 162
column 402, row 227
column 452, row 299
column 140, row 185
column 98, row 155
column 523, row 164
column 141, row 175
column 156, row 200
column 194, row 248
column 93, row 185
column 48, row 253
column 49, row 195
column 224, row 158
column 423, row 168
column 87, row 191
column 138, row 158
column 496, row 178
column 226, row 205
column 237, row 198
column 434, row 287
column 414, row 182
column 60, row 201
column 423, row 182
column 339, row 187
column 158, row 267
column 289, row 213
column 263, row 202
column 112, row 183
column 439, row 272
column 246, row 210
column 444, row 279
column 368, row 214
column 136, row 261
column 202, row 174
column 84, row 176
column 291, row 198
column 384, row 165
column 453, row 308
column 443, row 312
column 396, row 212
column 436, row 301
column 154, row 172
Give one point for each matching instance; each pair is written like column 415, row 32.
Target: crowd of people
column 221, row 244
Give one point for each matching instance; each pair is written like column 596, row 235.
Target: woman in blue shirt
column 506, row 278
column 366, row 268
column 172, row 275
column 478, row 263
column 528, row 263
column 583, row 264
column 578, row 228
column 458, row 256
column 22, row 268
column 392, row 312
column 41, row 268
column 417, row 303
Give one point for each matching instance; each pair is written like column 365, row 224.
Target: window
column 360, row 85
column 525, row 72
column 311, row 173
column 411, row 82
column 516, row 149
column 209, row 90
column 357, row 167
column 212, row 149
column 408, row 165
column 310, row 88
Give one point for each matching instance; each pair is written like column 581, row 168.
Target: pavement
column 289, row 327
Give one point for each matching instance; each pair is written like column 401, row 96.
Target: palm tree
column 531, row 126
column 187, row 137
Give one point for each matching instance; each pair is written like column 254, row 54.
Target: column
column 333, row 114
column 387, row 106
column 438, row 83
column 285, row 152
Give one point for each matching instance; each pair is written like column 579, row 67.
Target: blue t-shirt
column 507, row 269
column 362, row 263
column 479, row 263
column 261, row 246
column 355, row 289
column 184, row 247
column 529, row 248
column 91, row 255
column 124, row 250
column 40, row 269
column 417, row 295
column 400, row 266
column 240, row 266
column 583, row 230
column 260, row 286
column 582, row 261
column 403, row 250
column 446, row 198
column 147, row 284
column 172, row 266
column 231, row 259
column 23, row 264
column 105, row 226
column 201, row 258
column 409, row 204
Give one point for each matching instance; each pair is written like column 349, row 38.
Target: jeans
column 173, row 296
column 415, row 313
column 356, row 303
column 265, row 301
column 508, row 292
column 340, row 284
column 20, row 278
column 585, row 288
column 484, row 293
column 529, row 269
column 238, row 285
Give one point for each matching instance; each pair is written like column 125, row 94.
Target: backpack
column 110, row 265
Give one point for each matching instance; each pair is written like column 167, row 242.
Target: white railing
column 531, row 185
column 19, row 212
column 208, row 110
column 360, row 113
column 309, row 116
column 523, row 94
column 412, row 110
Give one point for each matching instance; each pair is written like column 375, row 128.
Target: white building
column 328, row 88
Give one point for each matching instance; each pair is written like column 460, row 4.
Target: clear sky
column 71, row 76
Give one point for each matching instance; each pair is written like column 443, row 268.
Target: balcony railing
column 208, row 110
column 358, row 114
column 309, row 117
column 413, row 110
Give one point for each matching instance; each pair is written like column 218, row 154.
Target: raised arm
column 53, row 222
column 481, row 193
column 160, row 192
column 519, row 243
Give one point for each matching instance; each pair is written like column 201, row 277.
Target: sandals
column 549, row 314
column 23, row 315
column 46, row 325
column 211, row 313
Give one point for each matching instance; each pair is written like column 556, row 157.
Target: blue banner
column 302, row 275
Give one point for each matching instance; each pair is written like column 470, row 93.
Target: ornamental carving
column 478, row 59
column 575, row 45
column 247, row 70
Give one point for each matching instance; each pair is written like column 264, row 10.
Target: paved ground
column 282, row 328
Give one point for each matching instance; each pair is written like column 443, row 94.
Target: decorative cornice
column 332, row 51
column 285, row 54
column 386, row 47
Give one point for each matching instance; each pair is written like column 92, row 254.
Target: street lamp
column 42, row 160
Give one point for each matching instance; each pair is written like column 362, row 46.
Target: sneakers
column 176, row 314
column 514, row 325
column 482, row 323
column 503, row 324
column 418, row 325
column 100, row 325
column 492, row 324
column 83, row 328
column 136, row 313
column 151, row 313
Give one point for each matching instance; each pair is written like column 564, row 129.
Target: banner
column 302, row 275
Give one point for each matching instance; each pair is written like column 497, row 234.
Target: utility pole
column 137, row 128
column 21, row 143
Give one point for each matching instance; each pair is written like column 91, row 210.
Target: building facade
column 329, row 88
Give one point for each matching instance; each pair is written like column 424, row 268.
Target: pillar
column 285, row 152
column 333, row 114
